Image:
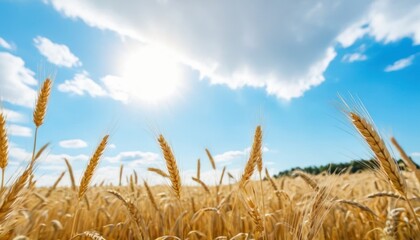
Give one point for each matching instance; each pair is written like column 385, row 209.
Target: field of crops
column 377, row 204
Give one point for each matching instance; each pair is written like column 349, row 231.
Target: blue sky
column 205, row 75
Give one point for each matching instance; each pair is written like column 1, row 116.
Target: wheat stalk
column 407, row 160
column 55, row 184
column 90, row 169
column 70, row 169
column 150, row 195
column 317, row 212
column 171, row 166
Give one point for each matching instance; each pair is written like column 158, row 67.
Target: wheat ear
column 4, row 147
column 222, row 176
column 385, row 194
column 383, row 157
column 203, row 185
column 198, row 168
column 13, row 194
column 158, row 171
column 307, row 179
column 90, row 169
column 171, row 166
column 41, row 103
column 387, row 164
column 254, row 157
column 212, row 162
column 358, row 205
column 90, row 234
column 255, row 215
column 132, row 209
column 121, row 174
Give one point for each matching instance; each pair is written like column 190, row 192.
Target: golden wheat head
column 213, row 163
column 93, row 163
column 383, row 157
column 41, row 103
column 171, row 165
column 4, row 146
column 255, row 157
column 158, row 171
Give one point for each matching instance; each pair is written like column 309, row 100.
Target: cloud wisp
column 58, row 54
column 73, row 143
column 400, row 64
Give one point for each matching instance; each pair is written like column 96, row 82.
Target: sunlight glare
column 151, row 75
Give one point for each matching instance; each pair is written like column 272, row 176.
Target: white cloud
column 281, row 46
column 82, row 84
column 54, row 158
column 73, row 143
column 352, row 33
column 20, row 131
column 400, row 64
column 354, row 57
column 19, row 154
column 112, row 146
column 134, row 158
column 13, row 116
column 229, row 156
column 386, row 21
column 109, row 86
column 391, row 21
column 6, row 45
column 58, row 54
column 115, row 87
column 415, row 154
column 16, row 81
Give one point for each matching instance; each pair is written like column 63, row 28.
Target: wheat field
column 381, row 203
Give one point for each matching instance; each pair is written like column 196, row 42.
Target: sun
column 151, row 75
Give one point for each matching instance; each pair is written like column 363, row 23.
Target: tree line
column 338, row 168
